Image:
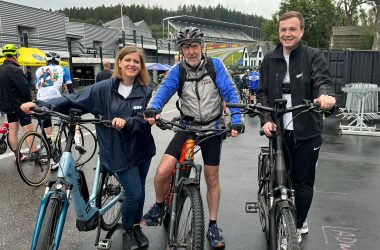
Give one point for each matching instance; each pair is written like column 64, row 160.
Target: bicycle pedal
column 104, row 244
column 251, row 207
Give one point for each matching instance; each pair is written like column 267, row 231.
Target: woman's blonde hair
column 143, row 75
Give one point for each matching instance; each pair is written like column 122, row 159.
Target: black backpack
column 182, row 74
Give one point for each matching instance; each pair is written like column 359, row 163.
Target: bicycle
column 4, row 140
column 183, row 208
column 101, row 209
column 35, row 150
column 275, row 196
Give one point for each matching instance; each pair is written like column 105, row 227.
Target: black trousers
column 301, row 159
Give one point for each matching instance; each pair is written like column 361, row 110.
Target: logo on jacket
column 137, row 107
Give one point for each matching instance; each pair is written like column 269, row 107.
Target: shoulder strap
column 182, row 78
column 210, row 68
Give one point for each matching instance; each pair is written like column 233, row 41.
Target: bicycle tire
column 49, row 225
column 263, row 193
column 286, row 230
column 109, row 187
column 190, row 213
column 35, row 168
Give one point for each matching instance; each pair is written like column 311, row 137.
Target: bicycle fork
column 173, row 213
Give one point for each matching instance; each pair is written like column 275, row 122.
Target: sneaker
column 152, row 217
column 54, row 166
column 140, row 237
column 129, row 240
column 80, row 149
column 215, row 236
column 304, row 229
column 299, row 237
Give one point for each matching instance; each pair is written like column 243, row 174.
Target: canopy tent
column 158, row 66
column 32, row 57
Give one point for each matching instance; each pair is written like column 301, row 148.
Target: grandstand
column 215, row 31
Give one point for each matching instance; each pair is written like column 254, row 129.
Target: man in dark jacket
column 296, row 72
column 106, row 73
column 14, row 90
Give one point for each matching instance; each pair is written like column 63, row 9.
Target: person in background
column 14, row 90
column 51, row 81
column 126, row 149
column 106, row 73
column 296, row 72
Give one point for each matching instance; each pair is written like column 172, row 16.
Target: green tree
column 319, row 15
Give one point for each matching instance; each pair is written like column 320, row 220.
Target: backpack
column 182, row 74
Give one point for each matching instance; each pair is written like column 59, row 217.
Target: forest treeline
column 154, row 15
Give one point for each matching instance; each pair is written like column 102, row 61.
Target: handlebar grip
column 38, row 109
column 235, row 105
column 261, row 132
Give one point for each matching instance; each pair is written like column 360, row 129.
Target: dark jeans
column 304, row 156
column 133, row 182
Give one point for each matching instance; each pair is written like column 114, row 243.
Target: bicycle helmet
column 52, row 56
column 189, row 34
column 10, row 50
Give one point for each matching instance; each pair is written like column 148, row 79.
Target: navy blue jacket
column 119, row 150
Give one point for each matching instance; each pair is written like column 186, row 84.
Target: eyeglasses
column 194, row 46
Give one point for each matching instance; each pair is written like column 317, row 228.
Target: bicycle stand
column 251, row 207
column 105, row 243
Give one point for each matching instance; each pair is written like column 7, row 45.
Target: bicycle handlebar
column 176, row 126
column 74, row 116
column 258, row 108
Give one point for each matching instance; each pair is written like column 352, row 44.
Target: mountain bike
column 35, row 150
column 275, row 197
column 183, row 213
column 101, row 209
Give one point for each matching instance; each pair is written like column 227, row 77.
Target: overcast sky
column 263, row 8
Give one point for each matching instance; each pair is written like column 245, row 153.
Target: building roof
column 347, row 31
column 192, row 19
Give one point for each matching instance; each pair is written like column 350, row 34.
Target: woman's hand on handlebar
column 27, row 106
column 268, row 128
column 118, row 123
column 326, row 102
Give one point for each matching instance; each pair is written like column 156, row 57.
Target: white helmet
column 52, row 56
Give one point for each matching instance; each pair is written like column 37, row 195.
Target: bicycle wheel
column 49, row 224
column 286, row 230
column 109, row 188
column 33, row 159
column 189, row 232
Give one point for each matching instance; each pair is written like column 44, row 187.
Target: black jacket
column 119, row 150
column 14, row 89
column 103, row 75
column 309, row 78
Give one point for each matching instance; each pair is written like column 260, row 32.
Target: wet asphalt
column 345, row 212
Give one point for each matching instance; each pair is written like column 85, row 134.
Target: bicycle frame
column 66, row 186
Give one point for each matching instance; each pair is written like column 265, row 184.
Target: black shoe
column 129, row 240
column 80, row 149
column 140, row 237
column 153, row 216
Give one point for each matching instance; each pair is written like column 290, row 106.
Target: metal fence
column 349, row 66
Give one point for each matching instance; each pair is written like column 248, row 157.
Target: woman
column 127, row 148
